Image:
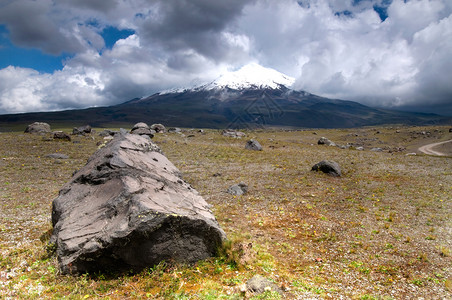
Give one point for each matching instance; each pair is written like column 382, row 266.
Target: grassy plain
column 381, row 231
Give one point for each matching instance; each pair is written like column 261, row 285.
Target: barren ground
column 381, row 231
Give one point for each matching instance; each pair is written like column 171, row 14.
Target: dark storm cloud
column 98, row 5
column 196, row 25
column 31, row 25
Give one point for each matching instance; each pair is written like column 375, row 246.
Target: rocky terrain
column 380, row 230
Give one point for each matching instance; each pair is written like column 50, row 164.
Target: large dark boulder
column 38, row 127
column 329, row 167
column 128, row 208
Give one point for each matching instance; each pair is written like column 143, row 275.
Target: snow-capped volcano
column 251, row 76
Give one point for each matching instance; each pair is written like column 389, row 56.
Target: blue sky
column 82, row 53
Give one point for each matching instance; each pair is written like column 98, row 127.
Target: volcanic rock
column 233, row 133
column 57, row 156
column 38, row 127
column 259, row 284
column 159, row 128
column 325, row 141
column 253, row 145
column 82, row 130
column 329, row 167
column 238, row 189
column 175, row 129
column 142, row 129
column 60, row 135
column 128, row 209
column 107, row 132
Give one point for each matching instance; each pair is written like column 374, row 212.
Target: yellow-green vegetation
column 381, row 231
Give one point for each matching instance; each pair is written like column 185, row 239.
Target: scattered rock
column 233, row 133
column 107, row 132
column 253, row 145
column 376, row 149
column 128, row 208
column 140, row 125
column 60, row 135
column 325, row 141
column 329, row 167
column 159, row 128
column 82, row 130
column 57, row 156
column 38, row 127
column 360, row 148
column 259, row 284
column 142, row 129
column 174, row 130
column 238, row 189
column 411, row 154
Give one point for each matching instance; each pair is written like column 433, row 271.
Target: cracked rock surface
column 128, row 208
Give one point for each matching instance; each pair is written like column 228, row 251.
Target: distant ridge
column 250, row 97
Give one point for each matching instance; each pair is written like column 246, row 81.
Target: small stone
column 329, row 167
column 325, row 141
column 238, row 189
column 253, row 145
column 60, row 135
column 259, row 284
column 57, row 156
column 159, row 128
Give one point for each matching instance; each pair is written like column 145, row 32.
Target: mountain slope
column 250, row 97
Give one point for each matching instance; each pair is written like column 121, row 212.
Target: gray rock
column 325, row 141
column 174, row 130
column 253, row 145
column 329, row 167
column 128, row 208
column 259, row 284
column 57, row 156
column 159, row 128
column 140, row 125
column 60, row 135
column 38, row 127
column 238, row 189
column 360, row 148
column 143, row 131
column 376, row 149
column 82, row 130
column 107, row 132
column 233, row 133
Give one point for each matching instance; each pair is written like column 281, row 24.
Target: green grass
column 380, row 231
